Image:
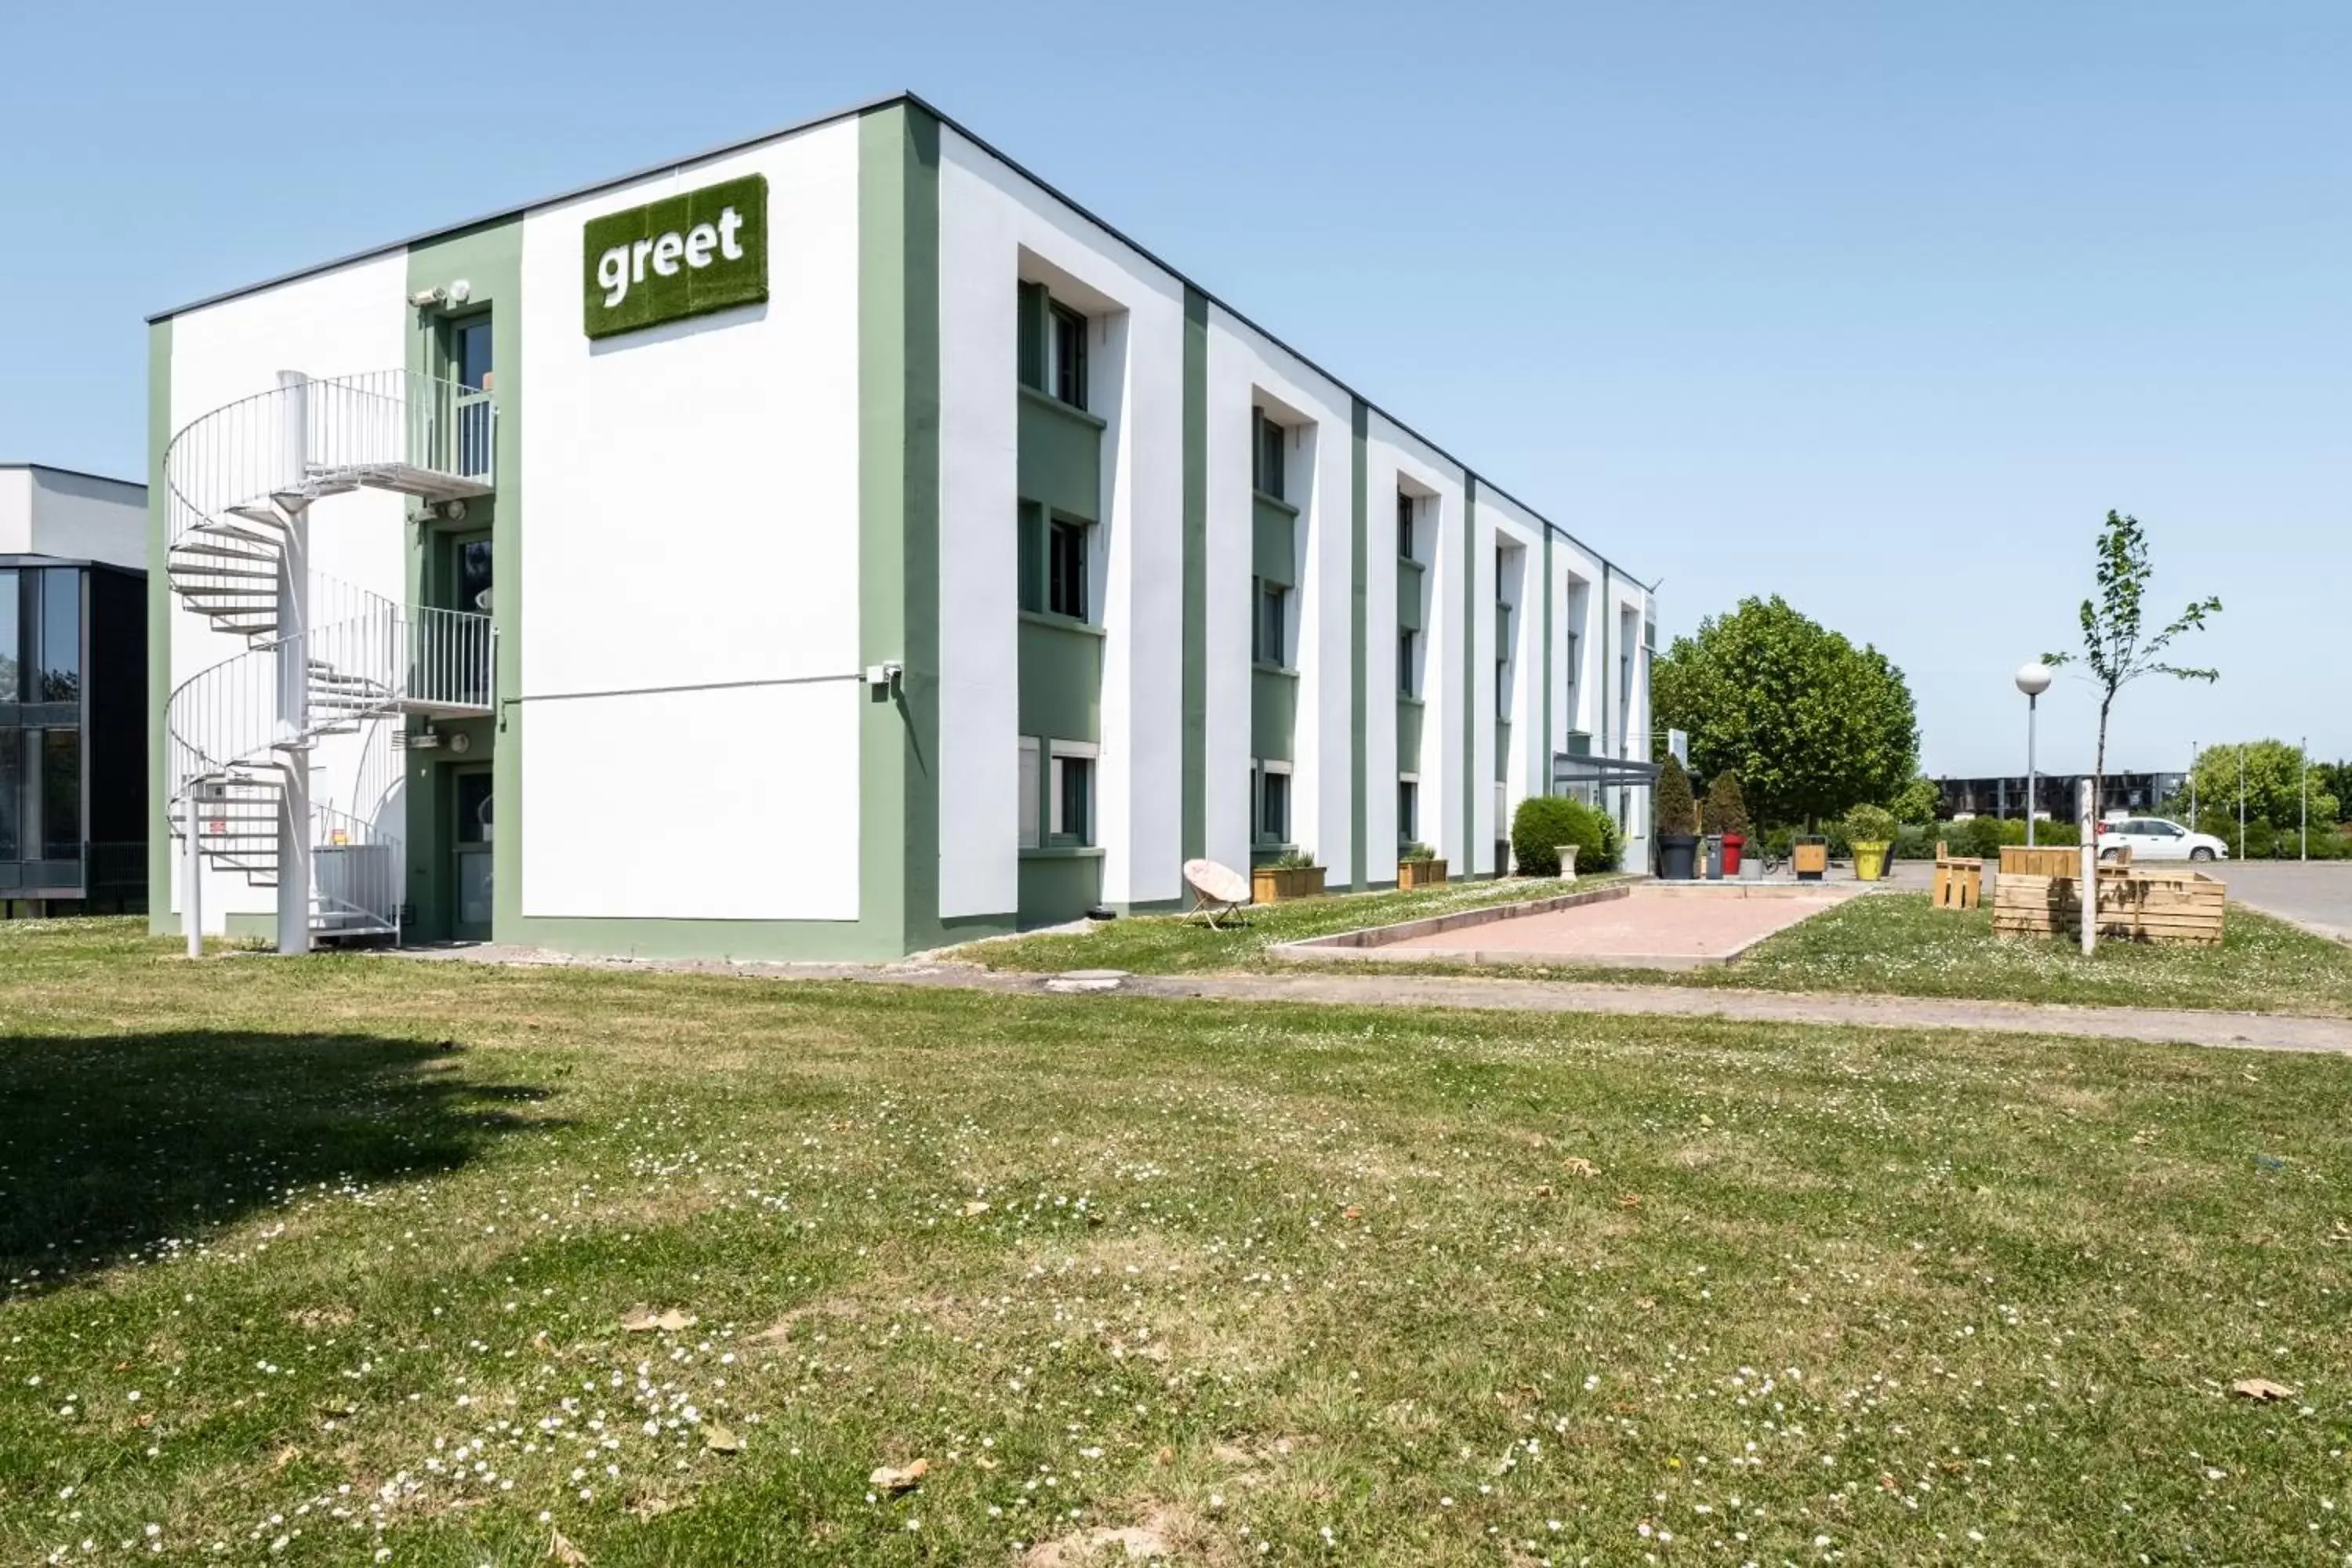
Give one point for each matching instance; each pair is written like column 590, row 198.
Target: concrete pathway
column 2239, row 1031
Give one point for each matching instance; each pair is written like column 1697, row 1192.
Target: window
column 1502, row 657
column 1408, row 811
column 60, row 788
column 1274, row 804
column 1404, row 526
column 1074, row 795
column 1065, row 559
column 1066, row 354
column 12, row 792
column 1270, row 630
column 9, row 635
column 1408, row 654
column 469, row 354
column 1031, row 803
column 58, row 675
column 1266, row 457
column 1572, row 661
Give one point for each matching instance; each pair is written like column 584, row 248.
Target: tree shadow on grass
column 124, row 1147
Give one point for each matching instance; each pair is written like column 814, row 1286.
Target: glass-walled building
column 73, row 683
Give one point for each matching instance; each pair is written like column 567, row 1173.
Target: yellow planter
column 1869, row 862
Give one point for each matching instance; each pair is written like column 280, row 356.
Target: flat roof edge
column 71, row 473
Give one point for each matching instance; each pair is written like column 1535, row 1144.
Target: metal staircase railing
column 324, row 658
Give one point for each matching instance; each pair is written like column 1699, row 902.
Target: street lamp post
column 2034, row 679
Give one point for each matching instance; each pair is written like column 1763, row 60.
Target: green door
column 471, row 852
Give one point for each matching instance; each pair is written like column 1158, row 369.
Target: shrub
column 1545, row 822
column 1293, row 860
column 1676, row 812
column 1870, row 825
column 1725, row 811
column 1414, row 853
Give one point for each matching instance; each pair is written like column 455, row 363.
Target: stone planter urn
column 1567, row 861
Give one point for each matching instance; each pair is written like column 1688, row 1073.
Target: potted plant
column 1726, row 812
column 1419, row 866
column 1870, row 831
column 1292, row 874
column 1677, row 820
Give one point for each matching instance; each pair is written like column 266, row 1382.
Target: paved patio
column 1649, row 925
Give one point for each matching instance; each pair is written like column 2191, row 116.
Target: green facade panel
column 1061, row 457
column 1410, row 712
column 1502, row 752
column 1058, row 885
column 1195, row 760
column 1273, row 713
column 161, row 846
column 1061, row 679
column 1274, row 553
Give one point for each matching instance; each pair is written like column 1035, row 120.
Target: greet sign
column 683, row 256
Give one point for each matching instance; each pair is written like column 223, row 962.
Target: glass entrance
column 471, row 850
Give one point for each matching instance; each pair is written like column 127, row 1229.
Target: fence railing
column 356, row 871
column 308, row 430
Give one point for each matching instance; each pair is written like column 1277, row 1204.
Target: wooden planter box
column 2134, row 906
column 1268, row 886
column 1416, row 874
column 2042, row 860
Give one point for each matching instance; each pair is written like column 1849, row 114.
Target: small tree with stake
column 2117, row 647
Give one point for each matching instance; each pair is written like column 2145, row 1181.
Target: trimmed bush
column 1676, row 811
column 1724, row 811
column 1416, row 853
column 1545, row 822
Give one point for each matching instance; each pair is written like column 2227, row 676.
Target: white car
column 2153, row 838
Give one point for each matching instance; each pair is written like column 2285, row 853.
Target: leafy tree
column 2117, row 649
column 1917, row 802
column 1812, row 723
column 2271, row 793
column 1725, row 809
column 1676, row 811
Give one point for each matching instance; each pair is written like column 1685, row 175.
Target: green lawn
column 328, row 1261
column 1888, row 943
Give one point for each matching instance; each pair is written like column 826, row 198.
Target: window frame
column 1063, row 758
column 1408, row 811
column 1057, row 528
column 1408, row 662
column 1265, row 771
column 1267, row 454
column 1271, row 599
column 1065, row 325
column 1408, row 511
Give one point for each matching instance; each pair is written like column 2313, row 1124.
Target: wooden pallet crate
column 2043, row 860
column 2134, row 904
column 1960, row 882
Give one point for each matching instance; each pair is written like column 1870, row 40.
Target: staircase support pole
column 192, row 877
column 294, row 654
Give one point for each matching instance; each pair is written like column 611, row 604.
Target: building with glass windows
column 73, row 692
column 833, row 546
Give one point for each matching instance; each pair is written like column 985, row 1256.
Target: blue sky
column 1876, row 306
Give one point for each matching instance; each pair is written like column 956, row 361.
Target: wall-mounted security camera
column 883, row 677
column 456, row 293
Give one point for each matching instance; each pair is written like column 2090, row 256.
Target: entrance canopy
column 1569, row 771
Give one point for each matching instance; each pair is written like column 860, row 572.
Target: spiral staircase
column 322, row 657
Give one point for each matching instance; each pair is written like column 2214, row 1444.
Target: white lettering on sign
column 623, row 265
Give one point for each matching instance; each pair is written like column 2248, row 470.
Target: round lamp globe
column 2034, row 679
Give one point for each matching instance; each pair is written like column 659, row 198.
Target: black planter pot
column 1678, row 856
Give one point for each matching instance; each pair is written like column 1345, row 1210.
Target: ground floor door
column 470, row 848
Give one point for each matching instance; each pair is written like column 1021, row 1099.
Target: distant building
column 2054, row 793
column 73, row 692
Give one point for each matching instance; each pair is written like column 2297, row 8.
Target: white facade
column 72, row 516
column 775, row 638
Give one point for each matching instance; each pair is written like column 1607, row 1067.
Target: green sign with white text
column 683, row 256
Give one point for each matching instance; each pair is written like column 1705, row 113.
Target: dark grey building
column 2054, row 793
column 73, row 693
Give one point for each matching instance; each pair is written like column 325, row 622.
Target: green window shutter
column 1033, row 335
column 1033, row 555
column 1275, row 545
